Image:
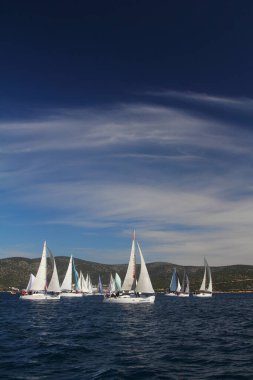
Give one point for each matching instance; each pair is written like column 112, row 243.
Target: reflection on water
column 84, row 338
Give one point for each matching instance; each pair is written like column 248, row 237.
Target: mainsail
column 130, row 278
column 144, row 283
column 40, row 281
column 185, row 288
column 207, row 273
column 112, row 287
column 54, row 285
column 174, row 281
column 67, row 282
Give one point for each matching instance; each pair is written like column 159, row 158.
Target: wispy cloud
column 182, row 178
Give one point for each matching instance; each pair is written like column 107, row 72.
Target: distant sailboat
column 143, row 292
column 37, row 287
column 206, row 291
column 100, row 290
column 66, row 288
column 185, row 288
column 175, row 285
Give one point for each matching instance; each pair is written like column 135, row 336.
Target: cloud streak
column 181, row 177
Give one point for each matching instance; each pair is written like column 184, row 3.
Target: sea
column 84, row 338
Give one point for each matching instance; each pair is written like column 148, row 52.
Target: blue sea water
column 176, row 338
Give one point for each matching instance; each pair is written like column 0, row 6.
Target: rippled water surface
column 84, row 338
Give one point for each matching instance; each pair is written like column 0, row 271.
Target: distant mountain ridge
column 15, row 271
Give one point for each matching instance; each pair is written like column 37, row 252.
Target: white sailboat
column 185, row 288
column 37, row 287
column 206, row 291
column 143, row 292
column 175, row 285
column 66, row 288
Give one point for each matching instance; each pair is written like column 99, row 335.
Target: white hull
column 71, row 295
column 203, row 295
column 171, row 294
column 90, row 294
column 128, row 299
column 183, row 295
column 40, row 297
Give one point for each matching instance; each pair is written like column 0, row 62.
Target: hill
column 15, row 271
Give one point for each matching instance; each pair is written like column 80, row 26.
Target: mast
column 130, row 278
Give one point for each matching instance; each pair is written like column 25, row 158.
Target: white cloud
column 182, row 179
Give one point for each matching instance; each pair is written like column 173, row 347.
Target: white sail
column 144, row 283
column 112, row 286
column 67, row 282
column 203, row 285
column 30, row 283
column 187, row 288
column 210, row 286
column 54, row 285
column 82, row 283
column 130, row 278
column 117, row 282
column 40, row 281
column 178, row 285
column 89, row 284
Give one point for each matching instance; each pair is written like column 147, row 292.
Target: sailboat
column 206, row 291
column 175, row 285
column 37, row 288
column 66, row 287
column 131, row 292
column 100, row 290
column 185, row 288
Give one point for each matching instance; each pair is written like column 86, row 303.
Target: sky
column 122, row 115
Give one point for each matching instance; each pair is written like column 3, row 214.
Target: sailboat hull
column 171, row 294
column 71, row 295
column 183, row 295
column 203, row 295
column 40, row 297
column 129, row 299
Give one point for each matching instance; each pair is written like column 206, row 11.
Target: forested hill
column 15, row 272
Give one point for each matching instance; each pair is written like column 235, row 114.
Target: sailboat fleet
column 131, row 291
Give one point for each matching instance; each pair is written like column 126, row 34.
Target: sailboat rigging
column 37, row 288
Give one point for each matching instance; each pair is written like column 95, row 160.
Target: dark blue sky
column 117, row 115
column 84, row 52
